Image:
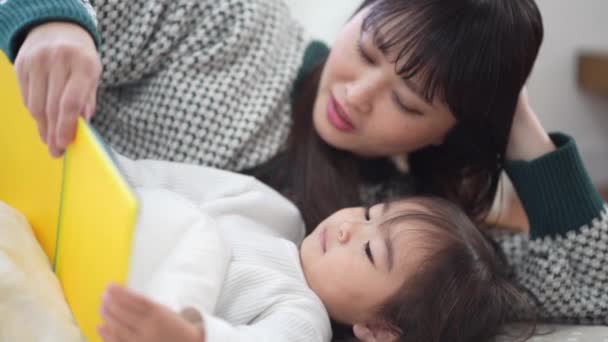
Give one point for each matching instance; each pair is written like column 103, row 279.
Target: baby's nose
column 345, row 231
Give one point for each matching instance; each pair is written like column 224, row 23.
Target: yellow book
column 80, row 207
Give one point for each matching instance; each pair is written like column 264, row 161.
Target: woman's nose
column 345, row 231
column 359, row 95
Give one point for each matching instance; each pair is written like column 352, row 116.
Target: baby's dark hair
column 462, row 290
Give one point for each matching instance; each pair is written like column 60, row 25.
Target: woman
column 211, row 83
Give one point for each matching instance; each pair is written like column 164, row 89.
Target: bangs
column 436, row 222
column 402, row 34
column 431, row 217
column 417, row 235
column 452, row 50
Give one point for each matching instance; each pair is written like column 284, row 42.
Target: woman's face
column 363, row 106
column 354, row 263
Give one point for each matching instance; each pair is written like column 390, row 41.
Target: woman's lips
column 323, row 238
column 338, row 117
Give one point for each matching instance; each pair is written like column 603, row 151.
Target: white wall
column 323, row 18
column 570, row 26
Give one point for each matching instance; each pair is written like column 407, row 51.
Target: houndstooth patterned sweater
column 209, row 82
column 198, row 81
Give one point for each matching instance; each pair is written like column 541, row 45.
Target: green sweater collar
column 315, row 53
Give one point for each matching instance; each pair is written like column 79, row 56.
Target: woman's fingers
column 528, row 139
column 57, row 81
column 36, row 99
column 89, row 109
column 82, row 82
column 58, row 68
column 22, row 79
column 71, row 104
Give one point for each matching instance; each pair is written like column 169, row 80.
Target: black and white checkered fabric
column 568, row 275
column 197, row 81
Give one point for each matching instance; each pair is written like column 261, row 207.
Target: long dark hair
column 463, row 289
column 474, row 55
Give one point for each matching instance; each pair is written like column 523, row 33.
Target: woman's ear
column 374, row 333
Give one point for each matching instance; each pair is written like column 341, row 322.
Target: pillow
column 32, row 305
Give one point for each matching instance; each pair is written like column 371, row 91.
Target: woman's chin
column 330, row 135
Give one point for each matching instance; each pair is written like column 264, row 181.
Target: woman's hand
column 528, row 139
column 129, row 317
column 58, row 70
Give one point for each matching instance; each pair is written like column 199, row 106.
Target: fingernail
column 56, row 153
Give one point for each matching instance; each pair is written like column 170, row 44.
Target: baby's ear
column 374, row 333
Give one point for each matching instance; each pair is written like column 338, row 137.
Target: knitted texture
column 205, row 82
column 567, row 275
column 563, row 263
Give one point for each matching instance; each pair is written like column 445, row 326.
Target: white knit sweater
column 254, row 290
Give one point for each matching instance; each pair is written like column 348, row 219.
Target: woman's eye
column 363, row 54
column 403, row 107
column 368, row 251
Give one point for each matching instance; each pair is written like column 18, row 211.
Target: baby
column 386, row 271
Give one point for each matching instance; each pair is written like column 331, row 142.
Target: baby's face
column 354, row 262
